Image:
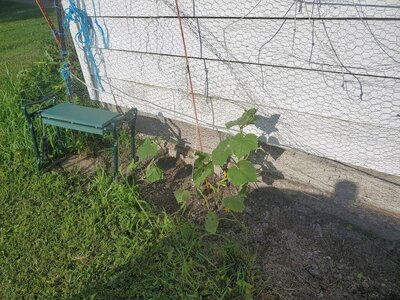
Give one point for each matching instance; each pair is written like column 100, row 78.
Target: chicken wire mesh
column 324, row 74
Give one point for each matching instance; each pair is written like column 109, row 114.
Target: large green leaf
column 154, row 173
column 244, row 189
column 247, row 118
column 202, row 158
column 201, row 173
column 221, row 153
column 147, row 149
column 234, row 203
column 243, row 173
column 203, row 168
column 242, row 144
column 211, row 224
column 181, row 196
column 132, row 166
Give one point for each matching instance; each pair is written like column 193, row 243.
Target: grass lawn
column 66, row 236
column 23, row 31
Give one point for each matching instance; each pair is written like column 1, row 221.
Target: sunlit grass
column 63, row 235
column 22, row 32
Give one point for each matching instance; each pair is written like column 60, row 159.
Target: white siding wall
column 329, row 86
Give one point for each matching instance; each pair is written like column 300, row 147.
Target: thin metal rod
column 63, row 46
column 49, row 22
column 61, row 33
column 115, row 150
column 132, row 127
column 189, row 77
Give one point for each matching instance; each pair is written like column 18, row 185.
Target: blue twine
column 86, row 35
column 105, row 42
column 63, row 53
column 66, row 73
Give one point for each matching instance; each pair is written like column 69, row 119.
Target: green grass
column 66, row 236
column 23, row 31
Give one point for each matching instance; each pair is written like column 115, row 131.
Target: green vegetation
column 23, row 31
column 63, row 235
column 147, row 158
column 67, row 236
column 232, row 156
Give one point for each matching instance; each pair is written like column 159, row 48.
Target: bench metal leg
column 60, row 145
column 35, row 144
column 132, row 127
column 45, row 144
column 33, row 136
column 115, row 150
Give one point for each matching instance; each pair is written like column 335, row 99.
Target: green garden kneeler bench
column 86, row 119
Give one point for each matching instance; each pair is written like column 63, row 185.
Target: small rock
column 365, row 284
column 248, row 210
column 313, row 270
column 318, row 229
column 276, row 211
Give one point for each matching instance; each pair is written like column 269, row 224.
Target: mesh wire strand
column 324, row 75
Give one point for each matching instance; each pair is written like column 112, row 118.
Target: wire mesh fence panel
column 324, row 74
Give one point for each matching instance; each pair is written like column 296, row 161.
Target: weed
column 63, row 235
column 232, row 155
column 66, row 236
column 147, row 161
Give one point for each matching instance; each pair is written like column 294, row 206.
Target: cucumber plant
column 147, row 160
column 232, row 156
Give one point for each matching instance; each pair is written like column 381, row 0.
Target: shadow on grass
column 181, row 266
column 14, row 11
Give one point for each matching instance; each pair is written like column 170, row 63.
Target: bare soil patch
column 303, row 251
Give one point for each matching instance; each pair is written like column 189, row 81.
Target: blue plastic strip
column 65, row 73
column 86, row 35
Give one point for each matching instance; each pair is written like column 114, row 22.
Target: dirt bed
column 303, row 252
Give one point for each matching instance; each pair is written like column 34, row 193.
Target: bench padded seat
column 78, row 117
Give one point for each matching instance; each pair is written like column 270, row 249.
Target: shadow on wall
column 171, row 131
column 166, row 129
column 269, row 173
column 268, row 126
